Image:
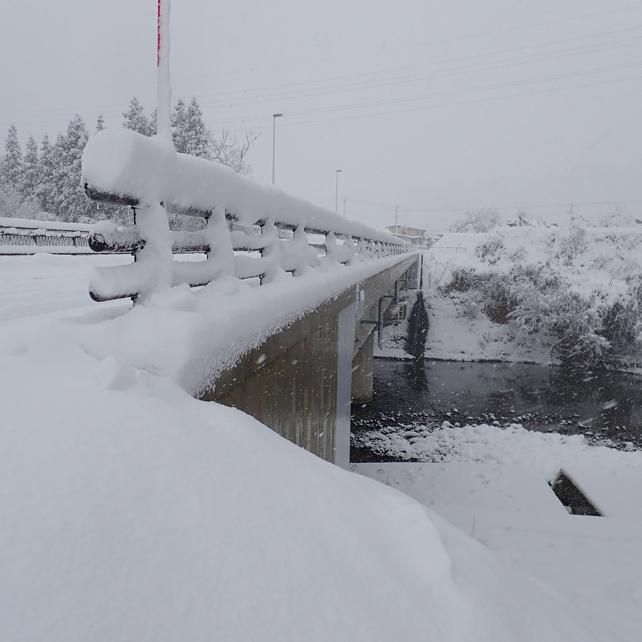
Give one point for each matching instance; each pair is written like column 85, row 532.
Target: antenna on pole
column 164, row 89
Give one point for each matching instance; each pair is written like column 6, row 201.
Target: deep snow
column 131, row 511
column 493, row 482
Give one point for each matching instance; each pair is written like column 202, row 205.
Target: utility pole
column 345, row 200
column 336, row 191
column 274, row 117
column 396, row 220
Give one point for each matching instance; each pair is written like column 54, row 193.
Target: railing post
column 271, row 252
column 156, row 255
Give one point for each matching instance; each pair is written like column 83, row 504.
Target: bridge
column 311, row 363
column 290, row 295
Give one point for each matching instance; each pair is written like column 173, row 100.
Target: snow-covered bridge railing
column 25, row 236
column 248, row 231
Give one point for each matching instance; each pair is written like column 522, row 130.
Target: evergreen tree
column 180, row 126
column 134, row 118
column 153, row 123
column 100, row 123
column 197, row 137
column 72, row 203
column 12, row 162
column 30, row 170
column 46, row 176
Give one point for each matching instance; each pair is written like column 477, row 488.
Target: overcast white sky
column 437, row 106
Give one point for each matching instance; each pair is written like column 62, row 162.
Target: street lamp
column 274, row 117
column 336, row 191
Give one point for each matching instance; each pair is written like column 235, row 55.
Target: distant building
column 415, row 235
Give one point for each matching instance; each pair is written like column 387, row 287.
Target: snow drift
column 130, row 511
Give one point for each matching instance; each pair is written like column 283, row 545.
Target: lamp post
column 336, row 190
column 274, row 117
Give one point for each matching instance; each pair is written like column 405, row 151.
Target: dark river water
column 606, row 407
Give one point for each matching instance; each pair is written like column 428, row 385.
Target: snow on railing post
column 155, row 258
column 271, row 253
column 331, row 247
column 221, row 250
column 300, row 249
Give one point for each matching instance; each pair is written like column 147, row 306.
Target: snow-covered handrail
column 28, row 233
column 121, row 166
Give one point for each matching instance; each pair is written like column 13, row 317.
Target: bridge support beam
column 362, row 372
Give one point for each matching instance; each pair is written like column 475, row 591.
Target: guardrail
column 249, row 231
column 25, row 236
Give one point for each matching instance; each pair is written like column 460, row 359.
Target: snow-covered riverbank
column 534, row 294
column 494, row 482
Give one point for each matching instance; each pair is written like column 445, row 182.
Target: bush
column 574, row 323
column 572, row 245
column 500, row 298
column 491, row 250
column 483, row 220
column 462, row 280
column 621, row 328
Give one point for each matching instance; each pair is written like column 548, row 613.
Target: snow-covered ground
column 493, row 483
column 132, row 511
column 31, row 286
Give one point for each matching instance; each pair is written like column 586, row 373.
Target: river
column 606, row 407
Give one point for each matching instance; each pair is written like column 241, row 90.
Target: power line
column 429, row 71
column 458, row 38
column 476, row 67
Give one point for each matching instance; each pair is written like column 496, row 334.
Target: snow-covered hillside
column 537, row 294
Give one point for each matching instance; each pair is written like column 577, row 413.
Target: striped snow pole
column 164, row 96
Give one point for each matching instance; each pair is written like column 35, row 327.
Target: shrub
column 483, row 220
column 500, row 298
column 572, row 245
column 462, row 280
column 621, row 328
column 491, row 250
column 574, row 323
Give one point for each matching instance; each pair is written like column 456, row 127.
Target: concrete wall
column 289, row 383
column 362, row 372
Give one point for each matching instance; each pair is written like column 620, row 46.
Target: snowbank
column 133, row 512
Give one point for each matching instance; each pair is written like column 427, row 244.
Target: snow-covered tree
column 227, row 149
column 135, row 119
column 100, row 123
column 180, row 126
column 11, row 168
column 191, row 136
column 196, row 138
column 72, row 203
column 10, row 201
column 46, row 177
column 30, row 170
column 483, row 220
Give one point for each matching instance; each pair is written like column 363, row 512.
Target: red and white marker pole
column 164, row 89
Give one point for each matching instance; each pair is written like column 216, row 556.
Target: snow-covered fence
column 251, row 231
column 25, row 236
